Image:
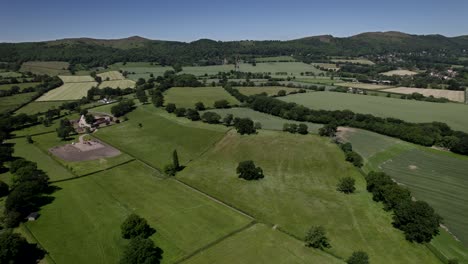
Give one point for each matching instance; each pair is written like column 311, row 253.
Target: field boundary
column 47, row 256
column 216, row 241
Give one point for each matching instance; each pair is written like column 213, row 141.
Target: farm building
column 32, row 216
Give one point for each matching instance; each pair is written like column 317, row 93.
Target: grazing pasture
column 275, row 59
column 45, row 67
column 39, row 107
column 409, row 110
column 189, row 96
column 111, row 76
column 299, row 190
column 356, row 61
column 399, row 73
column 270, row 90
column 268, row 122
column 367, row 86
column 456, row 96
column 68, row 91
column 22, row 86
column 161, row 133
column 8, row 103
column 261, row 244
column 9, row 74
column 76, row 78
column 122, row 84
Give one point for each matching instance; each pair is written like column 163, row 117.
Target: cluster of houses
column 101, row 120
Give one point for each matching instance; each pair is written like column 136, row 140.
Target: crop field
column 456, row 96
column 268, row 122
column 399, row 73
column 45, row 162
column 38, row 107
column 318, row 80
column 275, row 59
column 45, row 67
column 328, row 66
column 122, row 84
column 272, row 90
column 357, row 61
column 8, row 103
column 92, row 209
column 160, row 135
column 111, row 76
column 188, row 96
column 75, row 78
column 68, row 91
column 409, row 110
column 301, row 173
column 79, row 168
column 261, row 244
column 367, row 86
column 22, row 86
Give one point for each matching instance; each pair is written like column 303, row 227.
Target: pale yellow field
column 122, row 84
column 68, row 91
column 359, row 61
column 456, row 96
column 328, row 66
column 368, row 86
column 76, row 79
column 399, row 73
column 112, row 75
column 273, row 90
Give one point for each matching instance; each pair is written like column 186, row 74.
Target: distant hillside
column 95, row 52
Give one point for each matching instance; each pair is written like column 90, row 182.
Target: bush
column 123, row 107
column 245, row 126
column 346, row 185
column 221, row 104
column 302, row 129
column 200, row 106
column 4, row 189
column 316, row 238
column 248, row 171
column 192, row 114
column 170, row 108
column 354, row 158
column 180, row 112
column 170, row 170
column 211, row 117
column 358, row 257
column 141, row 250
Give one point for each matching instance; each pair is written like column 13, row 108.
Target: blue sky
column 183, row 20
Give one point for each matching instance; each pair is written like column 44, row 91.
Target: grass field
column 111, row 75
column 38, row 107
column 188, row 97
column 20, row 85
column 89, row 211
column 45, row 162
column 45, row 67
column 456, row 96
column 301, row 173
column 261, row 244
column 75, row 78
column 269, row 122
column 409, row 110
column 399, row 73
column 317, row 80
column 10, row 74
column 122, row 84
column 39, row 129
column 357, row 61
column 160, row 135
column 270, row 90
column 275, row 59
column 68, row 91
column 367, row 86
column 47, row 141
column 328, row 66
column 8, row 103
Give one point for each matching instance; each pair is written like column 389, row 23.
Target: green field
column 434, row 176
column 45, row 67
column 367, row 86
column 409, row 110
column 275, row 59
column 89, row 211
column 45, row 162
column 122, row 84
column 68, row 91
column 187, row 97
column 47, row 141
column 39, row 107
column 261, row 244
column 8, row 103
column 39, row 129
column 268, row 122
column 301, row 173
column 270, row 90
column 76, row 78
column 10, row 74
column 20, row 85
column 160, row 135
column 111, row 75
column 357, row 61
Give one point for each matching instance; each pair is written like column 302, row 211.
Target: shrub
column 346, row 185
column 316, row 238
column 135, row 226
column 248, row 171
column 358, row 257
column 211, row 117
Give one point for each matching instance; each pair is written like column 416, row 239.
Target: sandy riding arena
column 84, row 150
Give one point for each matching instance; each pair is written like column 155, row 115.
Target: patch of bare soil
column 84, row 150
column 413, row 167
